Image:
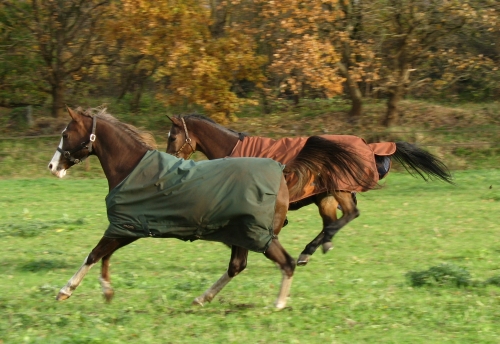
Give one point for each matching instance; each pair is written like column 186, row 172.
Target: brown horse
column 153, row 194
column 198, row 133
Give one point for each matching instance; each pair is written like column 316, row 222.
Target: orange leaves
column 198, row 68
column 301, row 54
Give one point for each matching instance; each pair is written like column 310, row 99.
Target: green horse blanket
column 226, row 200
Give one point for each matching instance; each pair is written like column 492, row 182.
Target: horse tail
column 327, row 162
column 423, row 163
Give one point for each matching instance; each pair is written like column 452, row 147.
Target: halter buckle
column 92, row 137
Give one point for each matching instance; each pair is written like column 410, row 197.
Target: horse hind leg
column 349, row 212
column 277, row 254
column 237, row 264
column 327, row 206
column 310, row 248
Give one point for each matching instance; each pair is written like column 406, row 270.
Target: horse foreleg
column 105, row 280
column 104, row 247
column 237, row 264
column 277, row 253
column 74, row 281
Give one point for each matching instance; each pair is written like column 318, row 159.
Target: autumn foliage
column 218, row 55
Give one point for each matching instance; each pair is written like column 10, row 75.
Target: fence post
column 29, row 116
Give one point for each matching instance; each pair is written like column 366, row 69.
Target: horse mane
column 146, row 138
column 196, row 116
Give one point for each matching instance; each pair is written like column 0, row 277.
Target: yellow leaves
column 301, row 55
column 200, row 69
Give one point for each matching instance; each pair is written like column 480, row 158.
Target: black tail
column 328, row 162
column 416, row 160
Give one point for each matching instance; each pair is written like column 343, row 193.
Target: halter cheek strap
column 84, row 145
column 92, row 134
column 187, row 142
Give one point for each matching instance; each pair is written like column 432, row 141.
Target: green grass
column 357, row 293
column 464, row 136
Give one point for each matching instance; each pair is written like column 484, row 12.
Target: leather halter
column 83, row 145
column 186, row 142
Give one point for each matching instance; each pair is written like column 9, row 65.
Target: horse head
column 179, row 143
column 75, row 145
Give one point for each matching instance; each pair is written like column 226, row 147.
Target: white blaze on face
column 54, row 163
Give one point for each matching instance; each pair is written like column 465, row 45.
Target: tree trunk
column 356, row 108
column 219, row 17
column 397, row 92
column 140, row 83
column 391, row 116
column 354, row 94
column 135, row 102
column 58, row 100
column 264, row 103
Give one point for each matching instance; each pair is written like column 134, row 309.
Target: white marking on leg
column 106, row 286
column 211, row 292
column 54, row 163
column 76, row 279
column 286, row 283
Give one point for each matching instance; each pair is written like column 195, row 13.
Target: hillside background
column 421, row 71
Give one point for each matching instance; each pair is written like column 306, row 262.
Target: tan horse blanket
column 225, row 200
column 286, row 149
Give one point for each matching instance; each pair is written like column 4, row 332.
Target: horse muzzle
column 56, row 170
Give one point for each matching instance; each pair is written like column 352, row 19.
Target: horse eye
column 171, row 138
column 65, row 136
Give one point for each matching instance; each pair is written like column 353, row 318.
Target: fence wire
column 28, row 156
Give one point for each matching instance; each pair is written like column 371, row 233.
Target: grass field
column 357, row 293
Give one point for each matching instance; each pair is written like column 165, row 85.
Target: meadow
column 420, row 265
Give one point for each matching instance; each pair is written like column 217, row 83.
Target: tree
column 65, row 37
column 408, row 33
column 358, row 63
column 300, row 57
column 17, row 65
column 198, row 52
column 466, row 64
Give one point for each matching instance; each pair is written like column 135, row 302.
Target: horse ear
column 73, row 114
column 175, row 121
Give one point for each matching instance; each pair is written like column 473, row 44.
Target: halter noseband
column 83, row 145
column 186, row 142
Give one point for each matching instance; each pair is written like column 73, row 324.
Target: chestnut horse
column 198, row 133
column 122, row 150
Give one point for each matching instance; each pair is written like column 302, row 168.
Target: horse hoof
column 327, row 246
column 108, row 295
column 62, row 296
column 303, row 259
column 280, row 305
column 197, row 302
